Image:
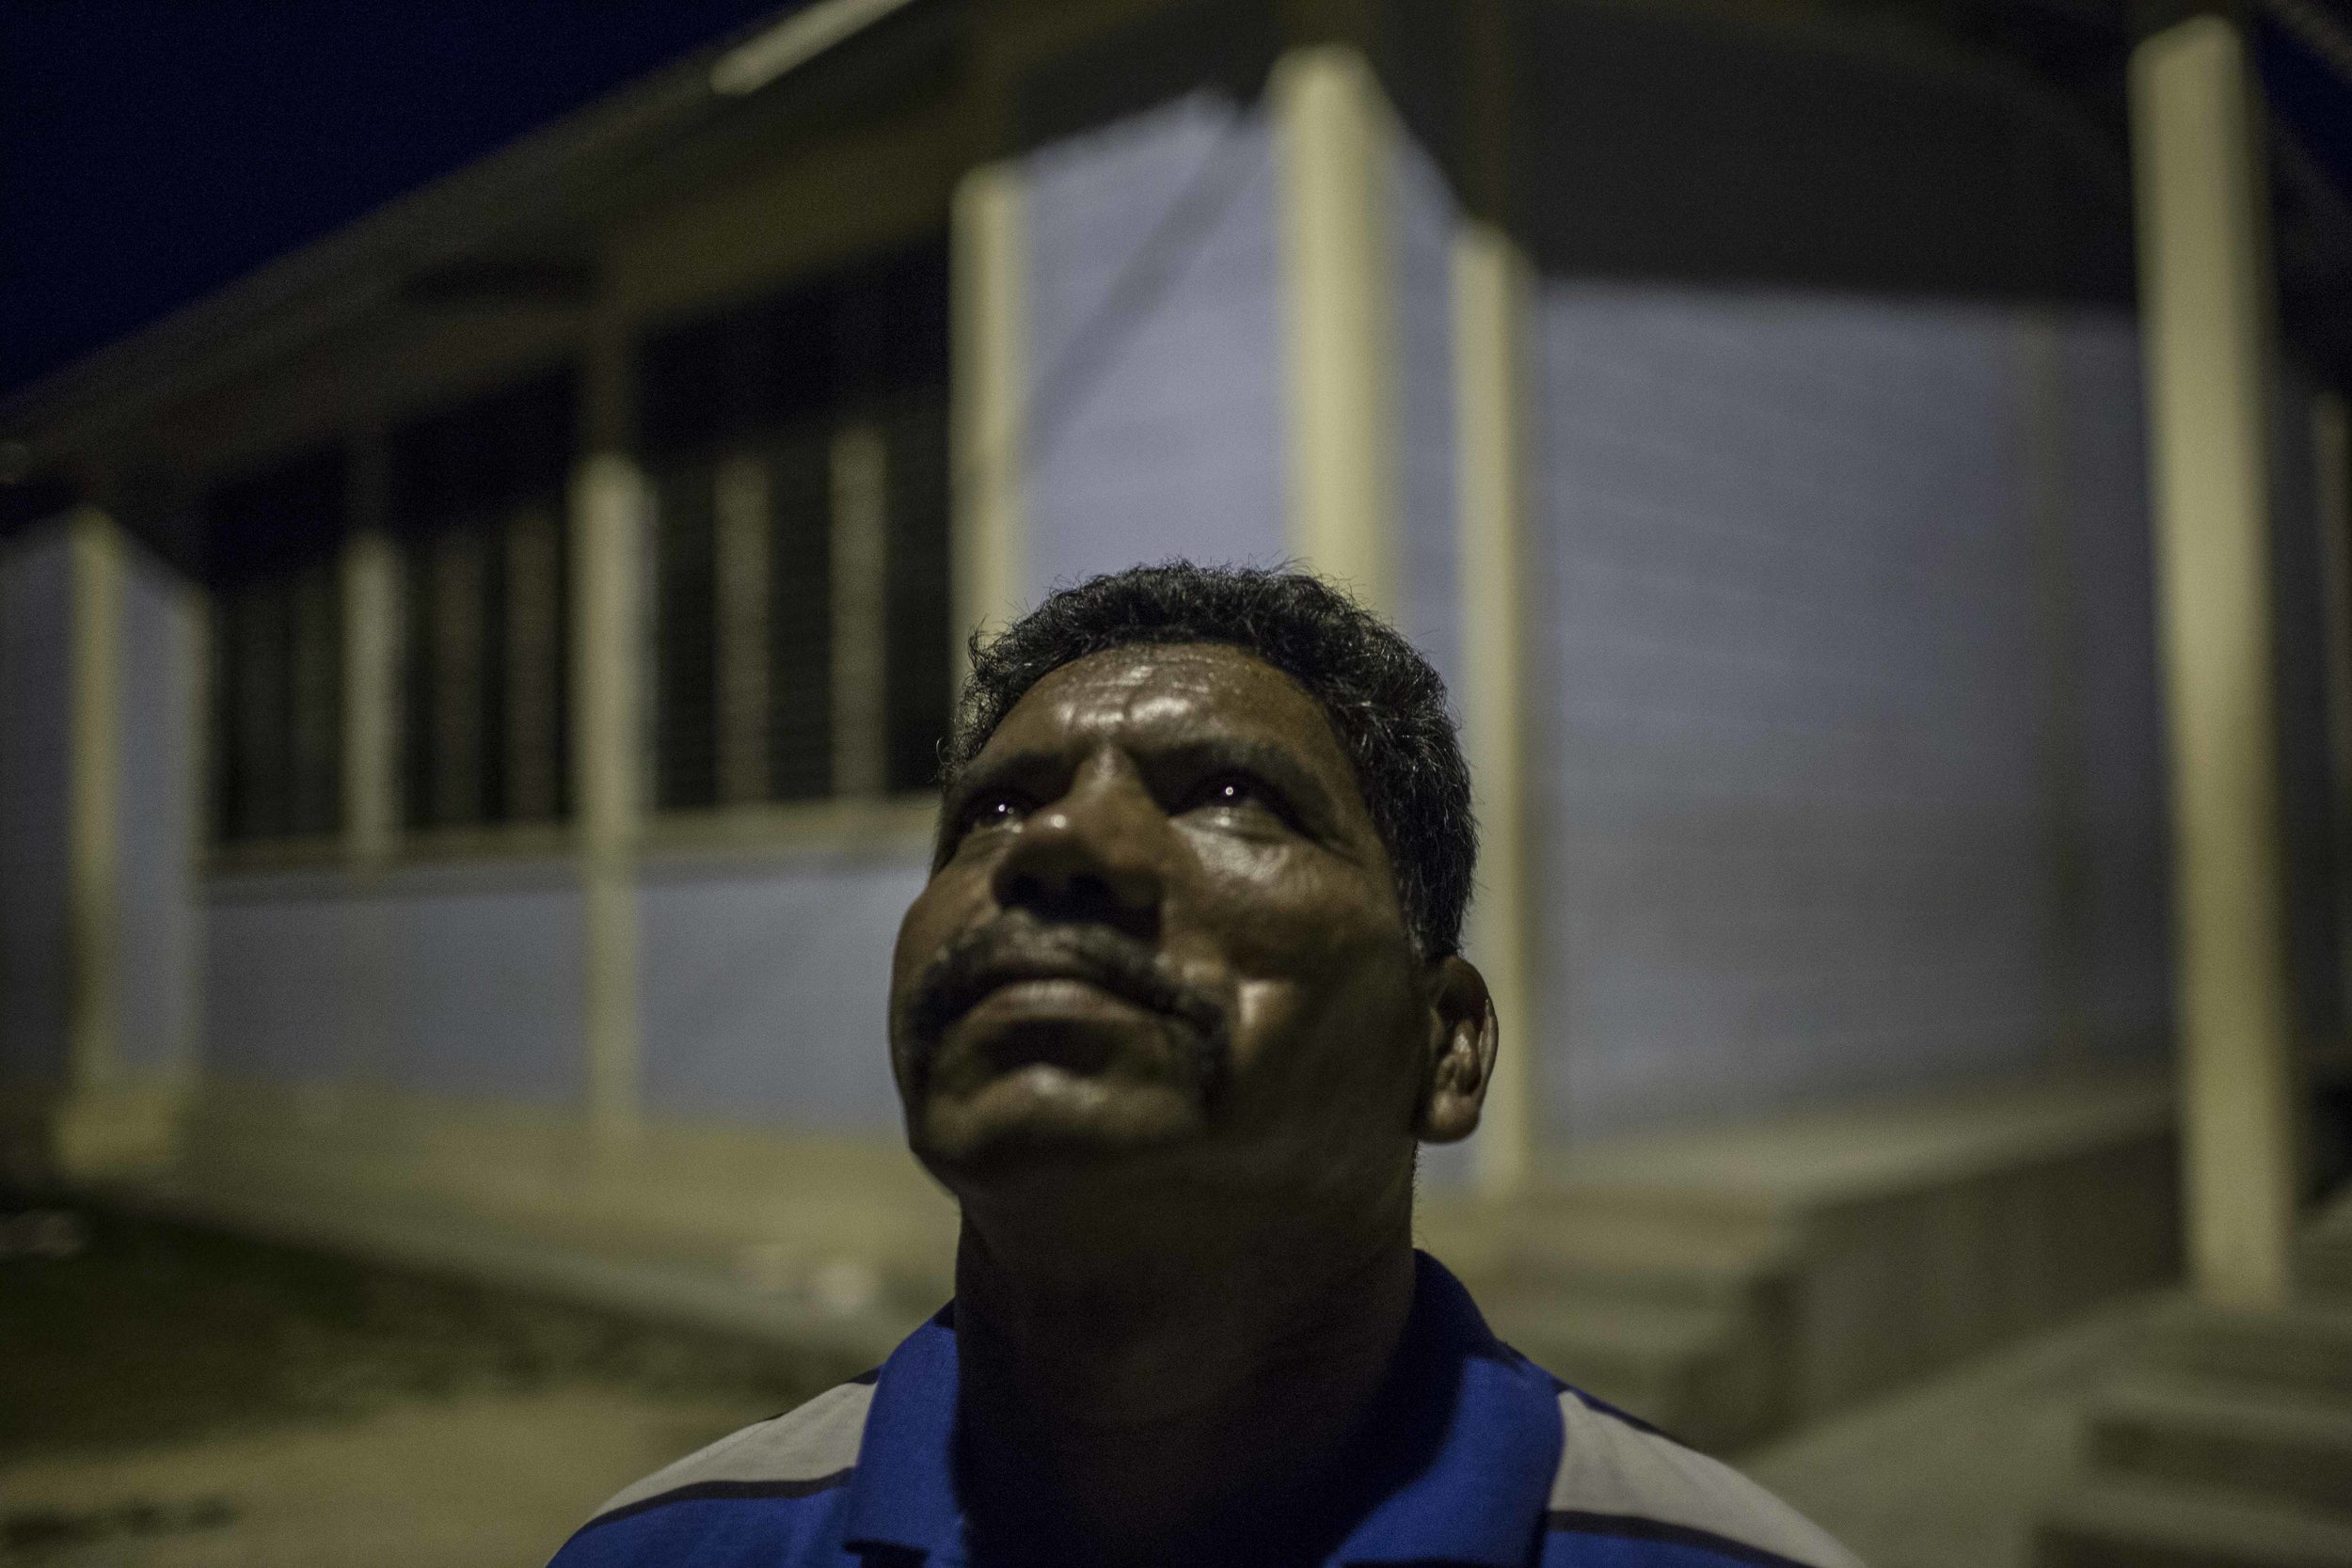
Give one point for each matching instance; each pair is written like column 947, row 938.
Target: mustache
column 1018, row 947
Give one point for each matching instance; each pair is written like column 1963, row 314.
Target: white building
column 467, row 690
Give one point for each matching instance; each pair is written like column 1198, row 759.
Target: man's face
column 1161, row 927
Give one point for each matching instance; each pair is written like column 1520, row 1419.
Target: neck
column 1141, row 1404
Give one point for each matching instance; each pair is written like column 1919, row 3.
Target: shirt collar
column 1477, row 1492
column 903, row 1492
column 1473, row 1493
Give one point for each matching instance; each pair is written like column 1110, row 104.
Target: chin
column 1039, row 1120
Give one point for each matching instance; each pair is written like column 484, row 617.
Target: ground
column 173, row 1397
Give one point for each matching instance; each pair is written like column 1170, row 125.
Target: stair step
column 2115, row 1522
column 1703, row 1372
column 2201, row 1432
column 1649, row 1252
column 1636, row 1285
column 1665, row 1332
column 2306, row 1346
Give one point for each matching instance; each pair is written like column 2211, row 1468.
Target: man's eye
column 1233, row 792
column 993, row 811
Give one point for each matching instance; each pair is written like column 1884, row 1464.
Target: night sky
column 155, row 151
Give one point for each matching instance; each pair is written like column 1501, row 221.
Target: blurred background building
column 468, row 691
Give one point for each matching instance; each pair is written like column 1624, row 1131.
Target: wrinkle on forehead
column 1146, row 686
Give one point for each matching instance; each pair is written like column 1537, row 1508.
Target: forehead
column 1148, row 694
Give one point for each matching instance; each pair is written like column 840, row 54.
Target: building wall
column 1850, row 774
column 1152, row 283
column 762, row 985
column 36, row 633
column 460, row 982
column 1422, row 222
column 2128, row 996
column 1805, row 813
column 1847, row 766
column 1153, row 279
column 1154, row 291
column 157, row 816
column 765, row 985
column 258, row 1028
column 1154, row 337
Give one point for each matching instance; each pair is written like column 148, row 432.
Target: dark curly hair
column 1385, row 703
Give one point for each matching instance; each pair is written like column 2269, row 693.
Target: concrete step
column 2305, row 1346
column 1705, row 1373
column 1670, row 1305
column 1682, row 1249
column 2291, row 1448
column 2113, row 1522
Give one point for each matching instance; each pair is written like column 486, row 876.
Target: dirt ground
column 173, row 1397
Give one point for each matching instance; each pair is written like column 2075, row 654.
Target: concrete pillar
column 372, row 643
column 1337, row 144
column 1334, row 140
column 990, row 375
column 609, row 507
column 94, row 810
column 1491, row 284
column 372, row 786
column 2207, row 321
column 106, row 1118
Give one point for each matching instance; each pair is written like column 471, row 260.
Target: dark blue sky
column 152, row 150
column 2311, row 95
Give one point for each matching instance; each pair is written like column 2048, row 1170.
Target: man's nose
column 1094, row 856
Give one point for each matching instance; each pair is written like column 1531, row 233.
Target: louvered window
column 272, row 541
column 797, row 446
column 478, row 511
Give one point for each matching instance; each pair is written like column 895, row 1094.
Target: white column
column 371, row 589
column 106, row 1120
column 94, row 801
column 609, row 505
column 991, row 387
column 1335, row 141
column 371, row 718
column 1491, row 285
column 2206, row 319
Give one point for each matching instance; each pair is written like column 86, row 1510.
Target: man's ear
column 1462, row 1041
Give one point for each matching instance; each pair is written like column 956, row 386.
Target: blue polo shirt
column 1474, row 1456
